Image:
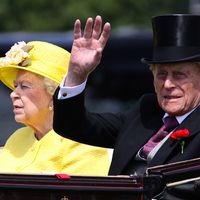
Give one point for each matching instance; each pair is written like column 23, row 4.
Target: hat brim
column 9, row 73
column 195, row 58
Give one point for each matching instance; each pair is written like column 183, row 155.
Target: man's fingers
column 88, row 28
column 77, row 29
column 97, row 27
column 105, row 34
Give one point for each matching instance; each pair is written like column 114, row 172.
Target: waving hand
column 87, row 49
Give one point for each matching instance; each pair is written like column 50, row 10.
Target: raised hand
column 87, row 49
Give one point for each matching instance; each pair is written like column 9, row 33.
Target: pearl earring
column 50, row 108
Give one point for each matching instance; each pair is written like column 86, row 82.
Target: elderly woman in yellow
column 33, row 71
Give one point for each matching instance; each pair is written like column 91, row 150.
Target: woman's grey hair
column 50, row 85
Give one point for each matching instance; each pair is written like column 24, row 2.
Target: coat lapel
column 192, row 124
column 132, row 139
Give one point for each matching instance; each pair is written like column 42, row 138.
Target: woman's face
column 30, row 99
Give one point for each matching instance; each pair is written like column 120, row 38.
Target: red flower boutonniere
column 178, row 135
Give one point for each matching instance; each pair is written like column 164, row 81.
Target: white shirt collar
column 182, row 117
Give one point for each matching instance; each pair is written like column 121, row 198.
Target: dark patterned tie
column 169, row 124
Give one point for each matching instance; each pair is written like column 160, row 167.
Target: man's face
column 177, row 87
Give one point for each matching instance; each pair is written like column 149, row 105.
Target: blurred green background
column 121, row 78
column 59, row 15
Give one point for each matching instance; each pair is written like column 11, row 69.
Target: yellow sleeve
column 81, row 159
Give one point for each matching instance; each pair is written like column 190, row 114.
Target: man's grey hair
column 152, row 67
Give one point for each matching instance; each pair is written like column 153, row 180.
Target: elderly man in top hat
column 161, row 128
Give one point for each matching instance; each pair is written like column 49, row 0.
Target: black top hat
column 176, row 38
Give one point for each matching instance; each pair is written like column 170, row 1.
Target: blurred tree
column 59, row 15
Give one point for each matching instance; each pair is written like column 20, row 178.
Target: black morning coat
column 126, row 132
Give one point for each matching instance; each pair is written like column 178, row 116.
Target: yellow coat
column 23, row 153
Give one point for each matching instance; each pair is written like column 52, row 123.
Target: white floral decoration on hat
column 17, row 55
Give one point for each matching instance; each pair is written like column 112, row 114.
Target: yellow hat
column 42, row 58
